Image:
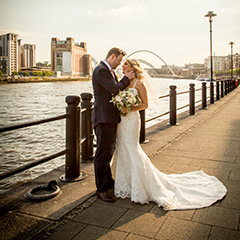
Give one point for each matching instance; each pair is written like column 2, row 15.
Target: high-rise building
column 219, row 63
column 9, row 48
column 4, row 65
column 70, row 58
column 28, row 55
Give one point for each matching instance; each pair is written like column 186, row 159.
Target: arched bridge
column 147, row 63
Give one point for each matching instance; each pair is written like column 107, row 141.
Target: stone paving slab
column 222, row 233
column 21, row 226
column 218, row 216
column 140, row 223
column 179, row 229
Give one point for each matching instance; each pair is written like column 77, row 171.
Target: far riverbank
column 41, row 79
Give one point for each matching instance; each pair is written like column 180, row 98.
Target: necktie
column 112, row 73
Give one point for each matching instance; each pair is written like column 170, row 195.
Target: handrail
column 148, row 120
column 28, row 124
column 72, row 112
column 184, row 92
column 32, row 164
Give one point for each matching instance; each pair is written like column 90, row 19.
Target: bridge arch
column 154, row 55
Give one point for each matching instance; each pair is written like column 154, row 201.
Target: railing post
column 87, row 128
column 72, row 164
column 192, row 99
column 228, row 84
column 173, row 105
column 211, row 92
column 143, row 127
column 226, row 87
column 222, row 89
column 204, row 95
column 217, row 90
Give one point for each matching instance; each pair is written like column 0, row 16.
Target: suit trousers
column 106, row 141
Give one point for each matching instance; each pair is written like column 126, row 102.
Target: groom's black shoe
column 105, row 197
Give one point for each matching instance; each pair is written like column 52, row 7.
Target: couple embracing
column 122, row 169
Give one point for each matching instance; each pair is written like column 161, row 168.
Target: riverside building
column 28, row 55
column 9, row 48
column 69, row 58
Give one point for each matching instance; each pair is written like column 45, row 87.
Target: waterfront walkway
column 209, row 141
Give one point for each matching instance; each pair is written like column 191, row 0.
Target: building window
column 59, row 57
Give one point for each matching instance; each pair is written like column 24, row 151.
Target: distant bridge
column 95, row 62
column 148, row 62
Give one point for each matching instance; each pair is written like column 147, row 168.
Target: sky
column 175, row 30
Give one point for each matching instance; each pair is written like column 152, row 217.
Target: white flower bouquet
column 126, row 98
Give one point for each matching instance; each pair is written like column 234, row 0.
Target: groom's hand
column 130, row 75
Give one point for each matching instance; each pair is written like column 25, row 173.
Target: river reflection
column 34, row 101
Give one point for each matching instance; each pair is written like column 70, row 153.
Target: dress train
column 137, row 178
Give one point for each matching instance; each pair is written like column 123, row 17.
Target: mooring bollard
column 217, row 90
column 222, row 89
column 87, row 128
column 192, row 99
column 72, row 163
column 173, row 105
column 204, row 95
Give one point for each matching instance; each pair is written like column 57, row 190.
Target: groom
column 105, row 118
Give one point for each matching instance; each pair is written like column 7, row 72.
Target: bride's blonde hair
column 136, row 67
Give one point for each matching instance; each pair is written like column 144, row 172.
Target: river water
column 25, row 102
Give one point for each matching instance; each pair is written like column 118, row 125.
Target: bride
column 137, row 178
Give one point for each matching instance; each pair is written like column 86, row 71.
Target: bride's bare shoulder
column 140, row 84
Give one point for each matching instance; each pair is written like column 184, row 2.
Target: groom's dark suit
column 105, row 118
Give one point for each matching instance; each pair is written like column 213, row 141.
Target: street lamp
column 210, row 15
column 237, row 64
column 231, row 43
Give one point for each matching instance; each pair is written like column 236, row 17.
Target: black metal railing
column 75, row 137
column 79, row 129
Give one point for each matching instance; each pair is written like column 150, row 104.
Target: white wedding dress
column 137, row 178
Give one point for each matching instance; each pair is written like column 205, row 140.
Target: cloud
column 117, row 12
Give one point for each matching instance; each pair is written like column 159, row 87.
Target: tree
column 48, row 73
column 37, row 73
column 25, row 74
column 14, row 73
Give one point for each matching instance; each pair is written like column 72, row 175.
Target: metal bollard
column 192, row 99
column 173, row 105
column 217, row 90
column 143, row 128
column 72, row 163
column 204, row 96
column 211, row 92
column 222, row 89
column 87, row 128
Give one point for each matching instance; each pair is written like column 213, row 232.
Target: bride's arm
column 142, row 91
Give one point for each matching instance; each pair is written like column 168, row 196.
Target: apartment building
column 70, row 58
column 9, row 49
column 28, row 55
column 219, row 63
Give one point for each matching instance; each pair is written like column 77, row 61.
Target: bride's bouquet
column 125, row 98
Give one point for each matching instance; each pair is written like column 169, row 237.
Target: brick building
column 70, row 58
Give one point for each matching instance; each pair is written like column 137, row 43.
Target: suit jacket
column 104, row 85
